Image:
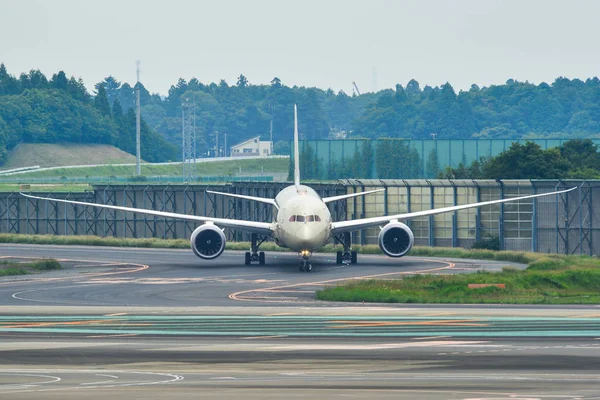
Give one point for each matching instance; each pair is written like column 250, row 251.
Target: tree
column 8, row 83
column 242, row 82
column 526, row 161
column 111, row 86
column 101, row 101
column 412, row 88
column 59, row 81
column 433, row 165
column 276, row 83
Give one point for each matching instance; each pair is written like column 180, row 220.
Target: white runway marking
column 383, row 346
column 125, row 376
column 53, row 379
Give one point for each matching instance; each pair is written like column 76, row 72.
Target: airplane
column 301, row 222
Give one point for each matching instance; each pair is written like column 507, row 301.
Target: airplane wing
column 347, row 196
column 263, row 228
column 346, row 226
column 242, row 196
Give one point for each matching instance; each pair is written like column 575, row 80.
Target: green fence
column 417, row 159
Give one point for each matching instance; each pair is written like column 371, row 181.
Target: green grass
column 217, row 168
column 549, row 279
column 448, row 252
column 55, row 154
column 35, row 187
column 8, row 268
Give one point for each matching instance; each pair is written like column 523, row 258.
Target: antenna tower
column 188, row 147
column 138, row 156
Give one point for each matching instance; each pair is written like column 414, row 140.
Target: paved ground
column 153, row 324
column 165, row 278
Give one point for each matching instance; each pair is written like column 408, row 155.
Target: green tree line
column 34, row 109
column 515, row 110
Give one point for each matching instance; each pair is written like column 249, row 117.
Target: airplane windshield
column 302, row 218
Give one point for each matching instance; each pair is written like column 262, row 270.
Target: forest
column 34, row 109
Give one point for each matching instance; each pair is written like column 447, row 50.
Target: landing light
column 305, row 253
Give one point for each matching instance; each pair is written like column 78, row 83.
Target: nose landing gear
column 305, row 265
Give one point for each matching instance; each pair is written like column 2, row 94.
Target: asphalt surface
column 176, row 278
column 153, row 324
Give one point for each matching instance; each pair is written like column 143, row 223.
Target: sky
column 321, row 43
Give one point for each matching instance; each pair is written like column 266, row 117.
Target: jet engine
column 208, row 241
column 396, row 239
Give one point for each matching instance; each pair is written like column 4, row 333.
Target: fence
column 555, row 224
column 339, row 153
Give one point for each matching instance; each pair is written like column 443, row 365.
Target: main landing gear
column 254, row 256
column 347, row 256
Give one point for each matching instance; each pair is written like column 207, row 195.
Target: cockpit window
column 302, row 218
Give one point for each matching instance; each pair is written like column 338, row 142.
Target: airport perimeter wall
column 568, row 224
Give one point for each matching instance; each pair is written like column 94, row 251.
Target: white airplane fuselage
column 302, row 220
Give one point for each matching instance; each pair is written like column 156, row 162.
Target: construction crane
column 356, row 87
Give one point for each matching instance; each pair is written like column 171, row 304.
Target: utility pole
column 138, row 156
column 225, row 145
column 216, row 144
column 271, row 138
column 271, row 132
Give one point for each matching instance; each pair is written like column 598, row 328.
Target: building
column 251, row 147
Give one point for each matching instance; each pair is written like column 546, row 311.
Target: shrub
column 488, row 243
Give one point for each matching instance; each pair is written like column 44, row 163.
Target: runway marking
column 115, row 314
column 279, row 314
column 527, row 348
column 362, row 324
column 25, row 389
column 49, row 324
column 115, row 335
column 135, row 268
column 383, row 346
column 53, row 379
column 238, row 295
column 430, row 337
column 584, row 316
column 265, row 337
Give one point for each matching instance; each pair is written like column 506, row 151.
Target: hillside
column 55, row 155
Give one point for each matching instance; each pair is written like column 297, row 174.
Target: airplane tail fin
column 296, row 150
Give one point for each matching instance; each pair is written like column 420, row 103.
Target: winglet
column 296, row 150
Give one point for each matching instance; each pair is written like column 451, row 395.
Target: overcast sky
column 322, row 43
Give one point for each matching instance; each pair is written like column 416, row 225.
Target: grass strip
column 8, row 268
column 448, row 252
column 548, row 279
column 220, row 168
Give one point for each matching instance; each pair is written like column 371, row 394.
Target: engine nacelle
column 208, row 241
column 396, row 239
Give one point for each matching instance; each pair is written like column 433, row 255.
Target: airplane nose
column 305, row 235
